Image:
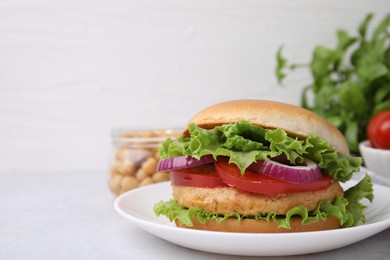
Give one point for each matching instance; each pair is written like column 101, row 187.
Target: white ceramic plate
column 379, row 178
column 137, row 206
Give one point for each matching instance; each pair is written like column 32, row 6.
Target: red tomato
column 203, row 176
column 260, row 183
column 378, row 130
column 225, row 174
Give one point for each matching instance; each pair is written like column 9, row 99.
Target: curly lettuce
column 347, row 209
column 245, row 143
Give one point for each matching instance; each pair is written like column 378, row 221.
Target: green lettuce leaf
column 347, row 209
column 364, row 189
column 245, row 143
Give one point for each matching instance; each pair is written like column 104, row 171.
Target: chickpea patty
column 227, row 199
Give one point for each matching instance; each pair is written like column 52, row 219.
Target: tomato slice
column 203, row 176
column 262, row 184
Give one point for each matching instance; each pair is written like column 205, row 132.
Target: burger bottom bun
column 261, row 226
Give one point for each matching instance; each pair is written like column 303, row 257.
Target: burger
column 260, row 166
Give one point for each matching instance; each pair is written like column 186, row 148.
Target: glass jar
column 134, row 158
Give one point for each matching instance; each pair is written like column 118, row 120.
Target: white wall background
column 72, row 70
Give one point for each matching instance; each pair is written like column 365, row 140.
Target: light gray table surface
column 71, row 216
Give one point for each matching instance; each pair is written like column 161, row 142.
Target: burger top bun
column 296, row 121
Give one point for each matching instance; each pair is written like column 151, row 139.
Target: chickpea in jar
column 135, row 158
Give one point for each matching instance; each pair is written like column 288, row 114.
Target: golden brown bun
column 261, row 226
column 225, row 200
column 296, row 121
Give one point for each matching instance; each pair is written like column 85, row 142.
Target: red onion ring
column 182, row 162
column 307, row 173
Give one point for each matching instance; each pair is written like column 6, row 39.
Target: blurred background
column 70, row 71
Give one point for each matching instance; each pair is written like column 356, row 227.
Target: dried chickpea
column 116, row 168
column 113, row 170
column 128, row 168
column 141, row 175
column 146, row 181
column 129, row 183
column 160, row 176
column 149, row 166
column 115, row 183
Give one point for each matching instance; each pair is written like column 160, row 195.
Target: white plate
column 376, row 178
column 379, row 178
column 137, row 206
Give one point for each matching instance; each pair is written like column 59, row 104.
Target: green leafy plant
column 351, row 82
